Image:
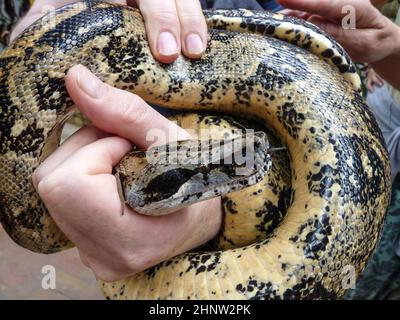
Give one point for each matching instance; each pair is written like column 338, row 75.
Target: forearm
column 389, row 67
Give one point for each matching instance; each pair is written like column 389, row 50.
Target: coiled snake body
column 291, row 236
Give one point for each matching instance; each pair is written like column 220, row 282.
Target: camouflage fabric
column 381, row 279
column 10, row 12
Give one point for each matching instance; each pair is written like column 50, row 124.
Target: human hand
column 373, row 80
column 79, row 190
column 374, row 39
column 171, row 25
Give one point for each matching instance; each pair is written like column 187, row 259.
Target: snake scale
column 318, row 210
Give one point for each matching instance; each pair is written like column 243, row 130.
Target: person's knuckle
column 59, row 185
column 165, row 17
column 105, row 91
column 49, row 188
column 135, row 111
column 192, row 19
column 38, row 175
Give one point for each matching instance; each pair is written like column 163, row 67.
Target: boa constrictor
column 317, row 213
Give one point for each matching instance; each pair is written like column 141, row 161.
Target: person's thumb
column 119, row 112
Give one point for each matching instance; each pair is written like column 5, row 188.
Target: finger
column 287, row 12
column 380, row 81
column 95, row 161
column 369, row 86
column 119, row 112
column 82, row 137
column 333, row 29
column 329, row 9
column 86, row 222
column 193, row 27
column 86, row 174
column 162, row 28
column 295, row 13
column 97, row 157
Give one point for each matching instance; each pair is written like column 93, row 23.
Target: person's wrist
column 396, row 49
column 395, row 41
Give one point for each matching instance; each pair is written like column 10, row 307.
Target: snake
column 301, row 230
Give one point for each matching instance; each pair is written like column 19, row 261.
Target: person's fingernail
column 194, row 44
column 88, row 82
column 167, row 45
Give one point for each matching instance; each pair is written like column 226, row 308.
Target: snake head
column 181, row 173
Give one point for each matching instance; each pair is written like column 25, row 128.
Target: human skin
column 376, row 39
column 167, row 22
column 130, row 246
column 76, row 182
column 373, row 80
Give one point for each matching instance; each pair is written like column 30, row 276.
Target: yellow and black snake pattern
column 290, row 237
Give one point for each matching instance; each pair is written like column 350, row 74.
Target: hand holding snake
column 87, row 206
column 172, row 26
column 138, row 241
column 310, row 217
column 375, row 39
